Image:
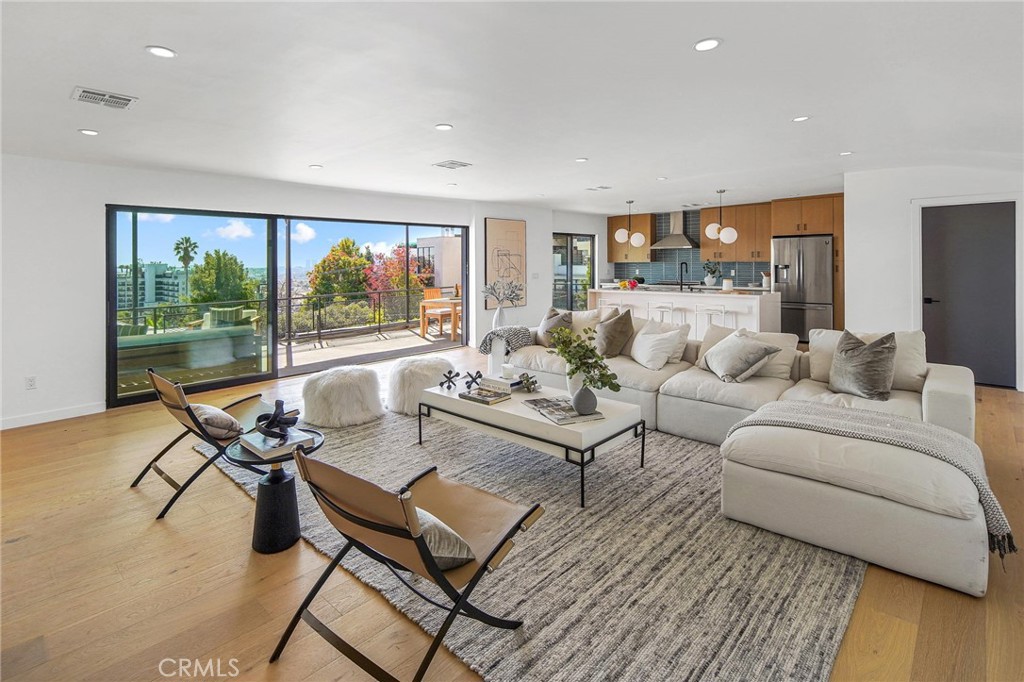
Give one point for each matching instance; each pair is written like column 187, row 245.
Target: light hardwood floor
column 95, row 589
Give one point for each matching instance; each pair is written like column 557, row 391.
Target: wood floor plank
column 93, row 587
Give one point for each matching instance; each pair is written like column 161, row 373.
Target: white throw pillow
column 655, row 327
column 737, row 357
column 911, row 363
column 653, row 350
column 581, row 319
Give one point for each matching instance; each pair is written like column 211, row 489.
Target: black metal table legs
column 276, row 526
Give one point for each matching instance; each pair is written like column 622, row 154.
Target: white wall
column 883, row 240
column 53, row 261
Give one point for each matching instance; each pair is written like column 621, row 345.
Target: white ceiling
column 265, row 89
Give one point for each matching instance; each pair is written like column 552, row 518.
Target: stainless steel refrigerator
column 803, row 275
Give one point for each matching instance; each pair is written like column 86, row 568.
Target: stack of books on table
column 560, row 410
column 256, row 442
column 486, row 396
column 501, row 385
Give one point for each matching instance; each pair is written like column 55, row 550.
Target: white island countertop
column 756, row 309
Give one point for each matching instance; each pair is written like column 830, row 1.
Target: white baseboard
column 51, row 415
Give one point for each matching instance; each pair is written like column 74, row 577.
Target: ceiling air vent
column 599, row 188
column 107, row 99
column 453, row 165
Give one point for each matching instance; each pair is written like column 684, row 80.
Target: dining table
column 455, row 307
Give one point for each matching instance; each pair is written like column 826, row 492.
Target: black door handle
column 929, row 299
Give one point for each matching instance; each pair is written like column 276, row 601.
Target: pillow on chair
column 217, row 422
column 553, row 319
column 449, row 549
column 863, row 369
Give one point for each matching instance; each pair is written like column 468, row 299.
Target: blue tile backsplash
column 665, row 266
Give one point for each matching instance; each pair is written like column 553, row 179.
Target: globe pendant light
column 728, row 235
column 626, row 234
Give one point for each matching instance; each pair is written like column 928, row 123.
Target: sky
column 246, row 237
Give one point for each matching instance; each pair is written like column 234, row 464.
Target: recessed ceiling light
column 453, row 184
column 540, row 195
column 161, row 51
column 706, row 44
column 662, row 177
column 444, row 126
column 582, row 159
column 801, row 119
column 87, row 131
column 845, row 153
column 315, row 166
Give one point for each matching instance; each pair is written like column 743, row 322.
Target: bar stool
column 661, row 309
column 712, row 310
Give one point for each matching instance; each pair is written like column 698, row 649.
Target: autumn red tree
column 388, row 271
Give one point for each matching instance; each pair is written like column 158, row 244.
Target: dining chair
column 172, row 397
column 388, row 528
column 440, row 314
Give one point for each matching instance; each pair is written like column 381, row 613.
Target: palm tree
column 185, row 249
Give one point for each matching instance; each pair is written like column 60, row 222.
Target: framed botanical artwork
column 505, row 246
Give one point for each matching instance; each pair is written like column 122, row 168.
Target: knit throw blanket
column 928, row 439
column 514, row 337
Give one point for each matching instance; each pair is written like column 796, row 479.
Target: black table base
column 276, row 526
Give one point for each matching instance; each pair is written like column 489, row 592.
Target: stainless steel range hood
column 676, row 238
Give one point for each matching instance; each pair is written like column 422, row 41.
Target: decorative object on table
column 276, row 424
column 715, row 230
column 503, row 291
column 515, row 337
column 500, row 384
column 530, row 383
column 448, row 380
column 727, row 284
column 508, row 371
column 711, row 272
column 583, row 360
column 271, row 446
column 628, row 284
column 505, row 250
column 561, row 411
column 626, row 234
column 473, row 379
column 342, row 396
column 485, row 396
column 409, row 377
column 766, row 279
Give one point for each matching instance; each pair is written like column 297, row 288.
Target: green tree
column 185, row 249
column 342, row 270
column 221, row 277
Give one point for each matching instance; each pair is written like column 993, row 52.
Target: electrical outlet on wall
column 30, row 383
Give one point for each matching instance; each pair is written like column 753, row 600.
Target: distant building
column 442, row 256
column 158, row 283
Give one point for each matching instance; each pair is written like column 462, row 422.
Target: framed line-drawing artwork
column 505, row 246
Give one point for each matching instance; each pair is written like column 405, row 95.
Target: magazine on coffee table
column 560, row 410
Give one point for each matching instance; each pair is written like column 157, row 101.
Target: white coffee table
column 515, row 422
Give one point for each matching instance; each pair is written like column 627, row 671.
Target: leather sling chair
column 384, row 526
column 173, row 398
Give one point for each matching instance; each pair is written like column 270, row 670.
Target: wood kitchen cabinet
column 714, row 249
column 803, row 216
column 627, row 253
column 754, row 223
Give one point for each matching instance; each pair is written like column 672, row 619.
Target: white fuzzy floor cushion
column 342, row 396
column 409, row 377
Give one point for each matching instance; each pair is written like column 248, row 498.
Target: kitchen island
column 757, row 310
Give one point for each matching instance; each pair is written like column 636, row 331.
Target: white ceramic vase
column 499, row 317
column 709, row 280
column 574, row 383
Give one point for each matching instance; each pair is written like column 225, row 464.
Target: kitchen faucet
column 683, row 265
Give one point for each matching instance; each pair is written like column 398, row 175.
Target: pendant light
column 626, row 234
column 728, row 235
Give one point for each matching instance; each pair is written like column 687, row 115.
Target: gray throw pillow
column 449, row 549
column 737, row 357
column 611, row 335
column 863, row 369
column 553, row 319
column 217, row 422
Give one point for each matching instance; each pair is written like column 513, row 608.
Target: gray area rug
column 649, row 582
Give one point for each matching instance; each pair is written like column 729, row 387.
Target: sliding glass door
column 573, row 256
column 188, row 297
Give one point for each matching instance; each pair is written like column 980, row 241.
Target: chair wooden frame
column 172, row 396
column 402, row 539
column 440, row 314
